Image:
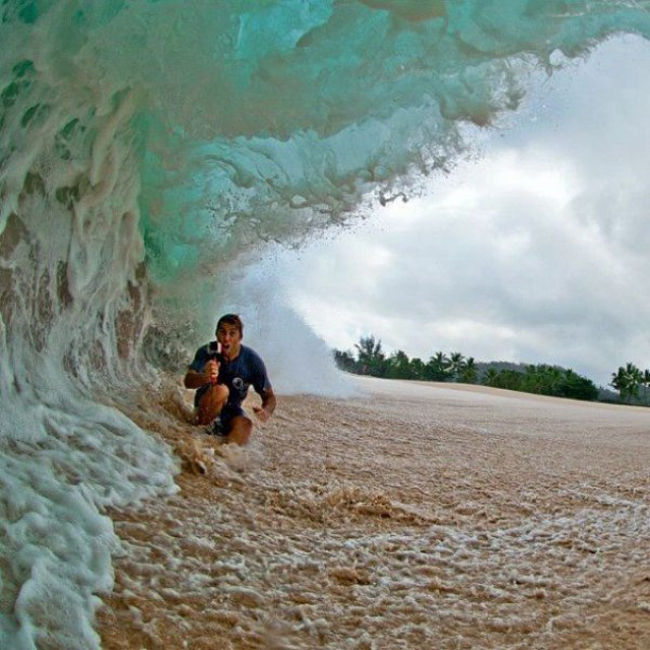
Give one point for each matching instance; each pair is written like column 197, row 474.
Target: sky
column 536, row 251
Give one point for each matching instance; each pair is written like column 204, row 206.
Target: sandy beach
column 410, row 516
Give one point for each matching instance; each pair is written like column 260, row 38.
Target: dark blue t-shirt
column 239, row 374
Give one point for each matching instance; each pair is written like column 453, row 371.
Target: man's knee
column 211, row 403
column 221, row 392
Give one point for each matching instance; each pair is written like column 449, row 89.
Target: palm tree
column 370, row 356
column 470, row 372
column 555, row 378
column 532, row 379
column 636, row 379
column 490, row 378
column 620, row 382
column 399, row 366
column 646, row 384
column 626, row 380
column 419, row 368
column 438, row 367
column 345, row 360
column 456, row 364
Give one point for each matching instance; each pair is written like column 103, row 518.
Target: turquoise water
column 145, row 149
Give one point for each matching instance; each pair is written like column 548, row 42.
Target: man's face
column 230, row 339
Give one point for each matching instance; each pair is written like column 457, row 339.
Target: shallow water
column 412, row 516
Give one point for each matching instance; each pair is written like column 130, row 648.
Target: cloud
column 537, row 252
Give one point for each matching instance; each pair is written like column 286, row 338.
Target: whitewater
column 410, row 516
column 151, row 153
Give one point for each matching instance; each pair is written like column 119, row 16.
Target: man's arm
column 194, row 379
column 269, row 402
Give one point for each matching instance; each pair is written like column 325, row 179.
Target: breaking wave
column 149, row 156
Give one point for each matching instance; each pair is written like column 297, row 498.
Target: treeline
column 542, row 379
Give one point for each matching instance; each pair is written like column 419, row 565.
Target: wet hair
column 231, row 319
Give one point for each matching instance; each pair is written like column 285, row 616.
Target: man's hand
column 212, row 370
column 209, row 375
column 262, row 414
column 265, row 411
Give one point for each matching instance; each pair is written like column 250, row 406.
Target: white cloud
column 538, row 252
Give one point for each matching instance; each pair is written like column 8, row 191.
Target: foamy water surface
column 411, row 516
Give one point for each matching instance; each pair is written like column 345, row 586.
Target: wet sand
column 412, row 516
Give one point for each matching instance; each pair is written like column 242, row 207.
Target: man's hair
column 231, row 319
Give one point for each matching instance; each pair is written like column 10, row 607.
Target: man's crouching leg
column 240, row 430
column 211, row 403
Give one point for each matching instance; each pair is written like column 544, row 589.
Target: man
column 222, row 378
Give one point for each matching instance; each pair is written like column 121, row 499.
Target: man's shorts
column 225, row 417
column 228, row 412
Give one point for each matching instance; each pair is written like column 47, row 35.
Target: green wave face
column 271, row 120
column 285, row 115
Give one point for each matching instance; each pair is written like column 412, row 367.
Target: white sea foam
column 371, row 539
